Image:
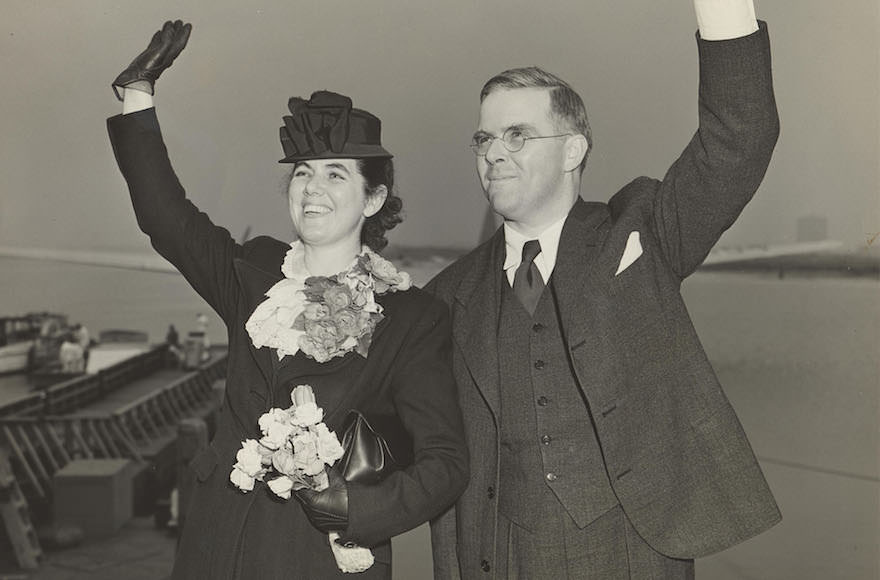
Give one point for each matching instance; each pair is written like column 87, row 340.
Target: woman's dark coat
column 406, row 375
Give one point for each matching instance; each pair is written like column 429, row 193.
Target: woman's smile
column 314, row 210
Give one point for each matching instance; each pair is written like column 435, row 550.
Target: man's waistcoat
column 549, row 450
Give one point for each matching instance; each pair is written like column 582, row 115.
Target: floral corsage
column 324, row 316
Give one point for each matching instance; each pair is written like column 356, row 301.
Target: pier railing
column 74, row 393
column 43, row 442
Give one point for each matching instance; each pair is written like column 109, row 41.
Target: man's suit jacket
column 675, row 453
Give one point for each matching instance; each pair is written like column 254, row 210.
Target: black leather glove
column 328, row 509
column 164, row 47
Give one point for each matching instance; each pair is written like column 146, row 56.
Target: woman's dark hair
column 378, row 171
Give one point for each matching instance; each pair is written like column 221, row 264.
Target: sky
column 419, row 66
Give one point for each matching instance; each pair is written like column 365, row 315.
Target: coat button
column 539, row 364
column 490, row 492
column 484, row 566
column 542, row 401
column 546, row 439
column 551, row 476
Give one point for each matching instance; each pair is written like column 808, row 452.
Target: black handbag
column 369, row 456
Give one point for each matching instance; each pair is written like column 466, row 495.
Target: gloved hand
column 328, row 509
column 164, row 47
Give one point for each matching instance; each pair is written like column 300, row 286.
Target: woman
column 341, row 202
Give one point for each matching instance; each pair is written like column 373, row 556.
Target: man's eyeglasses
column 513, row 140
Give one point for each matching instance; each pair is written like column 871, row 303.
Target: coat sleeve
column 426, row 400
column 183, row 235
column 719, row 171
column 444, row 546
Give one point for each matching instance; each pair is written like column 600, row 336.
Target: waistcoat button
column 551, row 476
column 542, row 401
column 490, row 492
column 539, row 364
column 484, row 565
column 546, row 439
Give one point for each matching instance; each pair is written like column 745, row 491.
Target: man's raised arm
column 719, row 171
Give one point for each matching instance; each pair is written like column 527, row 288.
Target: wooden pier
column 128, row 411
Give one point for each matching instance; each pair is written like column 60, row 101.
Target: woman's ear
column 375, row 200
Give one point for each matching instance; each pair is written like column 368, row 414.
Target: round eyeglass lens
column 513, row 140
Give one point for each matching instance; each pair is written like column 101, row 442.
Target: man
column 71, row 355
column 602, row 444
column 84, row 340
column 201, row 332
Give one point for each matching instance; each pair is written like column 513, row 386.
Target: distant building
column 812, row 228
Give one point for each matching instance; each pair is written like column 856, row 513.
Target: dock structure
column 128, row 411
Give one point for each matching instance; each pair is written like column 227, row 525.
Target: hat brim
column 349, row 151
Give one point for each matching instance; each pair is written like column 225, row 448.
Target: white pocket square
column 631, row 252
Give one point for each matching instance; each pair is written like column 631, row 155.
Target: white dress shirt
column 545, row 260
column 725, row 19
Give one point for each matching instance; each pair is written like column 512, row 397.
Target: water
column 799, row 359
column 105, row 298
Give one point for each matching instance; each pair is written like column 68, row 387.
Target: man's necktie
column 527, row 282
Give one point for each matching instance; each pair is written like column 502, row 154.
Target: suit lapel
column 583, row 235
column 475, row 325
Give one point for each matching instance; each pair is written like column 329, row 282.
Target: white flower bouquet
column 291, row 455
column 295, row 447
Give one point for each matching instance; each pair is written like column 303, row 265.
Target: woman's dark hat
column 326, row 127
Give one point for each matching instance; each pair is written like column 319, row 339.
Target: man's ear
column 576, row 148
column 375, row 200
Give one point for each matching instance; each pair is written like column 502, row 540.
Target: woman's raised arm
column 186, row 237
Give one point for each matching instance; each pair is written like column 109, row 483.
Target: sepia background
column 798, row 356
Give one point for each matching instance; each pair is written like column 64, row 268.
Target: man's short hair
column 566, row 106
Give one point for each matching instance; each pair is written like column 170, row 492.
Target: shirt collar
column 545, row 261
